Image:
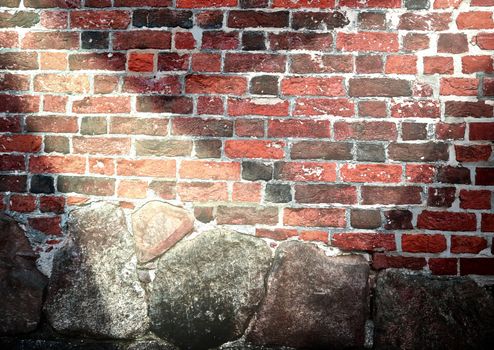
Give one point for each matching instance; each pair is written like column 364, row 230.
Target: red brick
column 327, row 194
column 173, row 62
column 401, row 64
column 254, row 149
column 205, row 3
column 202, row 191
column 415, row 42
column 93, row 19
column 339, row 107
column 475, row 199
column 422, row 243
column 101, row 145
column 9, row 39
column 54, row 19
column 476, row 266
column 141, row 39
column 459, row 86
column 371, row 3
column 249, row 127
column 371, row 173
column 48, row 225
column 467, row 244
column 281, row 128
column 416, row 109
column 364, row 241
column 52, row 204
column 15, row 82
column 215, row 84
column 372, row 109
column 194, row 169
column 54, row 103
column 167, row 85
column 475, row 20
column 97, row 61
column 367, row 41
column 473, row 153
column 474, row 64
column 438, row 65
column 485, row 41
column 443, row 266
column 57, row 164
column 322, row 4
column 102, row 105
column 447, row 131
column 184, row 41
column 309, row 86
column 305, row 171
column 206, row 62
column 452, row 43
column 314, row 235
column 382, row 261
column 146, row 167
column 22, row 203
column 391, row 195
column 134, row 189
column 312, row 217
column 101, row 166
column 219, row 40
column 442, row 4
column 141, row 62
column 56, row 40
column 106, row 84
column 210, row 105
column 20, row 143
column 240, row 62
column 246, row 192
column 487, row 223
column 278, row 234
column 369, row 64
column 481, row 131
column 259, row 106
column 202, row 127
column 420, row 173
column 447, row 221
column 10, row 162
column 369, row 131
column 19, row 103
column 432, row 21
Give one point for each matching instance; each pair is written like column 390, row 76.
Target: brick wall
column 366, row 125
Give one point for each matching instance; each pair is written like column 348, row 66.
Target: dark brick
column 264, row 85
column 204, row 214
column 256, row 19
column 370, row 152
column 368, row 87
column 417, row 4
column 164, row 104
column 95, row 40
column 162, row 18
column 453, row 175
column 93, row 126
column 18, row 60
column 163, row 189
column 96, row 186
column 13, row 183
column 319, row 20
column 58, row 144
column 321, row 150
column 42, row 184
column 365, row 218
column 452, row 43
column 398, row 220
column 465, row 109
column 21, row 19
column 372, row 20
column 278, row 193
column 207, row 148
column 245, row 4
column 423, row 152
column 413, row 131
column 252, row 41
column 441, row 197
column 484, row 177
column 340, row 194
column 254, row 171
column 210, row 19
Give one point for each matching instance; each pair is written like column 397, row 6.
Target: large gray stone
column 21, row 284
column 207, row 288
column 414, row 311
column 157, row 227
column 313, row 301
column 93, row 290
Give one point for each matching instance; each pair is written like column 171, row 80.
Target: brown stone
column 21, row 284
column 157, row 227
column 321, row 303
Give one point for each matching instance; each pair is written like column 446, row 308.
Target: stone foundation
column 171, row 287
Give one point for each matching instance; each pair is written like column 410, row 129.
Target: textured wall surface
column 366, row 125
